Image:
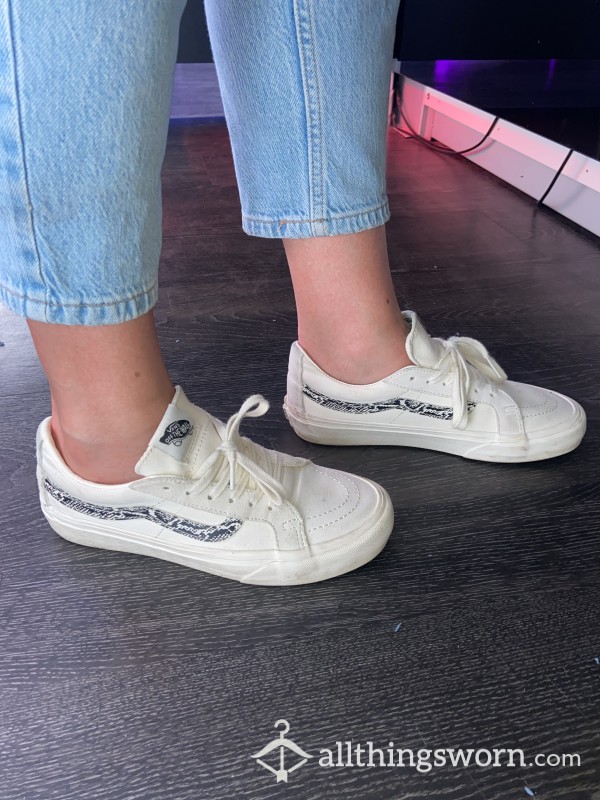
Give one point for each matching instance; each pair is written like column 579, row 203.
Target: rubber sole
column 283, row 568
column 509, row 450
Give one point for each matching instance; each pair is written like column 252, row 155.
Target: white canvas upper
column 212, row 499
column 454, row 398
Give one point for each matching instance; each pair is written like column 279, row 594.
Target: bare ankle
column 106, row 448
column 359, row 359
column 98, row 462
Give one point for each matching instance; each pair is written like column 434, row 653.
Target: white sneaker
column 455, row 399
column 215, row 501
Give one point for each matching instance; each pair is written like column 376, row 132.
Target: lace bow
column 243, row 458
column 463, row 356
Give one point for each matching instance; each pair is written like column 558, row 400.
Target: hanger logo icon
column 285, row 746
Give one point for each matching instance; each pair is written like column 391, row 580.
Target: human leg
column 86, row 94
column 306, row 106
column 109, row 388
column 308, row 139
column 125, row 462
column 349, row 319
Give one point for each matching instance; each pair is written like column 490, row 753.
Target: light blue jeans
column 85, row 91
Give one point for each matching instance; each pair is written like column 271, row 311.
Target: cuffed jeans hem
column 107, row 313
column 332, row 225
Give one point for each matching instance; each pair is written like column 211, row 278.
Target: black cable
column 442, row 148
column 555, row 178
column 439, row 148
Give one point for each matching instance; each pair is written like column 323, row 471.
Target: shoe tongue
column 186, row 436
column 420, row 347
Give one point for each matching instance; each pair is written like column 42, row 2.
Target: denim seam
column 305, row 42
column 50, row 304
column 306, row 107
column 318, row 219
column 321, row 141
column 23, row 155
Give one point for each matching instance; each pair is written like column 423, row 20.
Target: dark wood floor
column 127, row 678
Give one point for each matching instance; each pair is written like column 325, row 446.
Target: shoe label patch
column 176, row 432
column 186, row 527
column 404, row 403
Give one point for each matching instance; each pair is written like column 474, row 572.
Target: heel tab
column 294, row 377
column 296, row 359
column 43, row 435
column 46, row 450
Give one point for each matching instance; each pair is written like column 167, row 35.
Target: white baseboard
column 523, row 159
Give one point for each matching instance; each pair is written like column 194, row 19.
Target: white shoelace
column 243, row 456
column 464, row 356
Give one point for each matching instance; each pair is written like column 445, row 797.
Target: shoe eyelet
column 208, row 497
column 188, row 492
column 251, row 505
column 230, row 500
column 412, row 377
column 166, row 488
